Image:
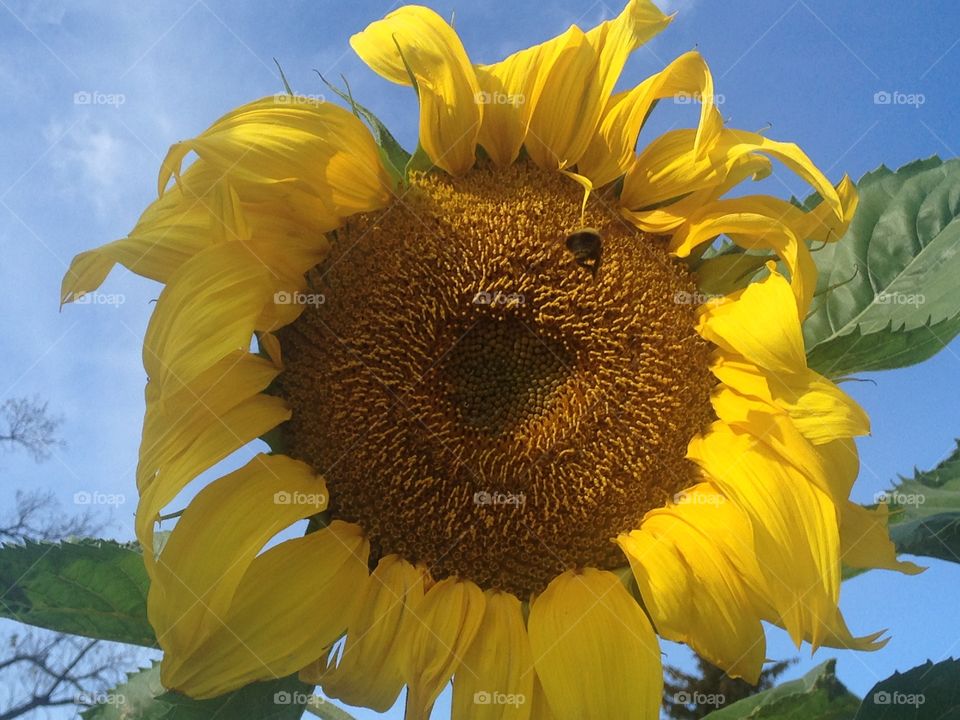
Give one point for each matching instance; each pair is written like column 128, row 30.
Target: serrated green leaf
column 926, row 691
column 128, row 700
column 142, row 697
column 925, row 511
column 95, row 588
column 818, row 694
column 887, row 295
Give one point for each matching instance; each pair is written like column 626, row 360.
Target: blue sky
column 74, row 175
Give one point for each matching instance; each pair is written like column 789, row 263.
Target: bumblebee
column 586, row 246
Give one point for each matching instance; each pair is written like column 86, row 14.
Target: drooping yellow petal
column 691, row 587
column 495, row 681
column 672, row 167
column 611, row 151
column 442, row 627
column 865, row 541
column 315, row 154
column 192, row 587
column 666, row 219
column 370, row 672
column 761, row 222
column 595, row 652
column 795, row 526
column 761, row 324
column 318, row 573
column 414, row 39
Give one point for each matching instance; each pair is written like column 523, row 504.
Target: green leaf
column 95, row 588
column 143, row 698
column 926, row 691
column 394, row 156
column 925, row 511
column 887, row 295
column 818, row 694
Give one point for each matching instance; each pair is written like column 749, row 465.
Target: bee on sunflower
column 521, row 465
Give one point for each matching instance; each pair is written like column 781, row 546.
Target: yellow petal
column 761, row 324
column 795, row 527
column 595, row 652
column 663, row 220
column 819, row 409
column 314, row 153
column 691, row 587
column 672, row 166
column 760, row 222
column 865, row 542
column 495, row 681
column 192, row 586
column 213, row 442
column 293, row 600
column 370, row 672
column 576, row 76
column 417, row 38
column 207, row 310
column 611, row 151
column 442, row 628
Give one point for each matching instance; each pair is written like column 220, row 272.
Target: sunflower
column 535, row 417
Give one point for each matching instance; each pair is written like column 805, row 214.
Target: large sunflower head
column 535, row 416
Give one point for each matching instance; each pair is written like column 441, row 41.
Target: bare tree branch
column 28, row 425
